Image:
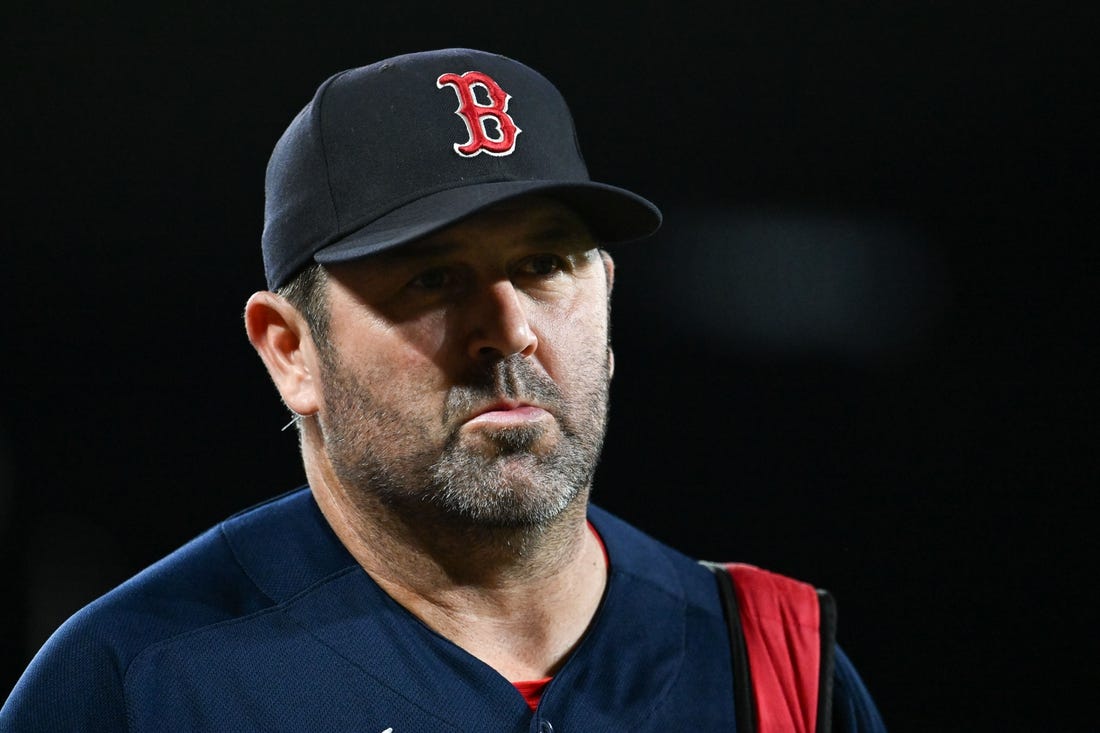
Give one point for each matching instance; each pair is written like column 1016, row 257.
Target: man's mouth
column 506, row 414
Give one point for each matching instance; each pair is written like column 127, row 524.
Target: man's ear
column 609, row 268
column 281, row 337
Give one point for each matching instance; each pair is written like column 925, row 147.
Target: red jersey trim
column 532, row 690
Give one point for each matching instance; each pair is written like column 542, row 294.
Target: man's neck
column 519, row 599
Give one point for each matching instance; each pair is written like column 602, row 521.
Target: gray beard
column 381, row 456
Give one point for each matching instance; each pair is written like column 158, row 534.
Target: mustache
column 511, row 378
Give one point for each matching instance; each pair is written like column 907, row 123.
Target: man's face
column 466, row 375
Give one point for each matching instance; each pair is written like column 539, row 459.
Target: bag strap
column 743, row 705
column 782, row 633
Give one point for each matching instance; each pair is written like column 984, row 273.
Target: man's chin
column 505, row 490
column 517, row 441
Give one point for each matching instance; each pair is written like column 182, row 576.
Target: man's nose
column 499, row 324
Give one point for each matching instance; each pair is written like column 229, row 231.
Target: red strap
column 781, row 621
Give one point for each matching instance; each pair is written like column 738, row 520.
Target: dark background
column 857, row 352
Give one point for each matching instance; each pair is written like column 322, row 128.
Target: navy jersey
column 267, row 623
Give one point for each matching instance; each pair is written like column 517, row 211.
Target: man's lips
column 507, row 413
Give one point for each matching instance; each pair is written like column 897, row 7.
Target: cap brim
column 614, row 215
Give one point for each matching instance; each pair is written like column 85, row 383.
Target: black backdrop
column 857, row 352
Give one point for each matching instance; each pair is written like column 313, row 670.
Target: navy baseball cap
column 388, row 153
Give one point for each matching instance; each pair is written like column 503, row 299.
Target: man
column 437, row 321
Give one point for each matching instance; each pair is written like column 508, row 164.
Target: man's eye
column 543, row 265
column 433, row 279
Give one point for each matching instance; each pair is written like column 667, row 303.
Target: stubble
column 513, row 477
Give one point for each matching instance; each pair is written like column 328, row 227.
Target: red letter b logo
column 502, row 140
